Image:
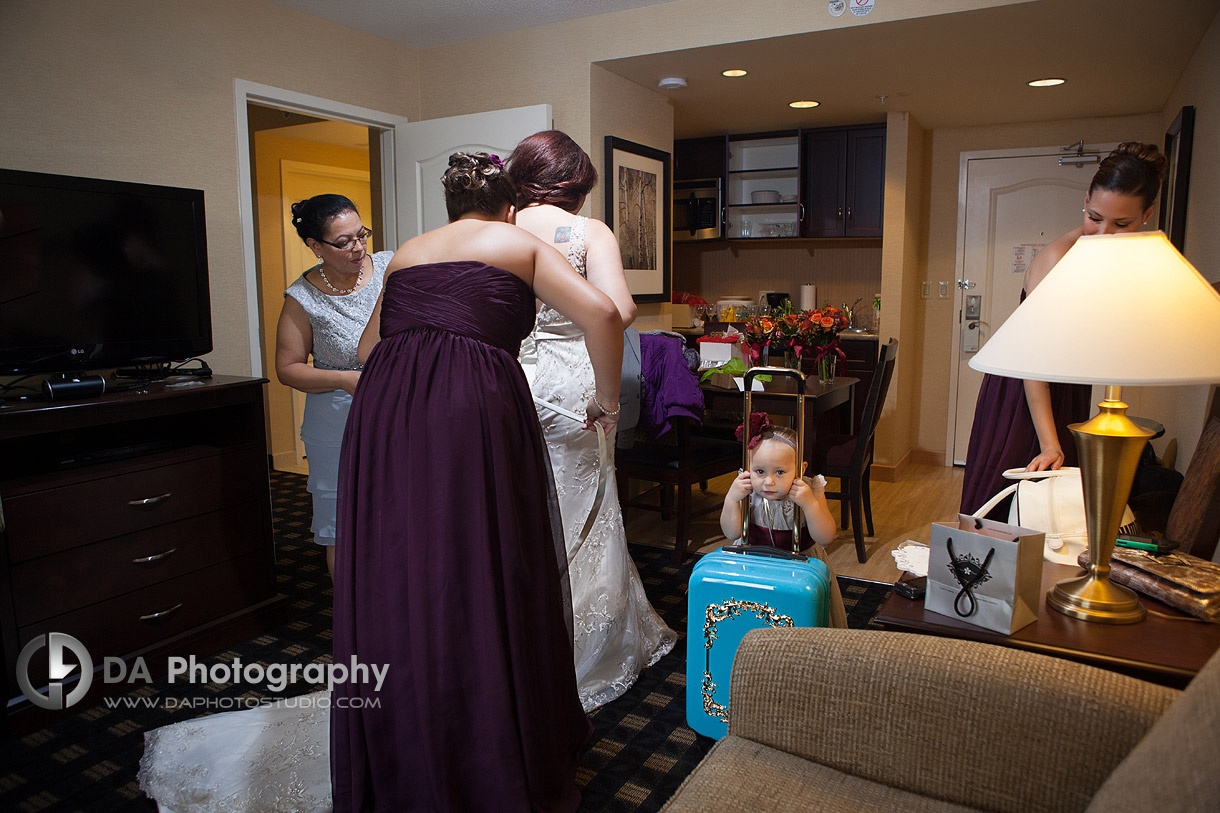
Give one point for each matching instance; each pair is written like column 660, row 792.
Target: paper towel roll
column 809, row 297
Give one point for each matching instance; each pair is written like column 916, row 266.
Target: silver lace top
column 338, row 321
column 549, row 320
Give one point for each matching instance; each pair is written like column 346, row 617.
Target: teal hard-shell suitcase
column 732, row 591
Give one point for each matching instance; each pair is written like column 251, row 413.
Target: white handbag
column 1051, row 502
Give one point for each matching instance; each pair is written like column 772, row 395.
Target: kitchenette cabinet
column 844, row 181
column 818, row 183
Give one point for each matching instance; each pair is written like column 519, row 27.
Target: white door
column 1012, row 206
column 422, row 150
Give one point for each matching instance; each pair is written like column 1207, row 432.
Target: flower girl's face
column 773, row 469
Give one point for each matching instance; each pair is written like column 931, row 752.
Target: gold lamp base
column 1096, row 599
column 1109, row 445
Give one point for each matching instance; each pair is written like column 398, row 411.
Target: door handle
column 965, row 284
column 840, row 215
column 157, row 616
column 849, row 213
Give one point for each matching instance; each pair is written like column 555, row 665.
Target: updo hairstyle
column 1134, row 169
column 311, row 215
column 476, row 182
column 549, row 167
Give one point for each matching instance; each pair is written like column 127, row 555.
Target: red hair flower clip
column 758, row 422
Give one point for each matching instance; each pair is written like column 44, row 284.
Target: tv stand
column 137, row 522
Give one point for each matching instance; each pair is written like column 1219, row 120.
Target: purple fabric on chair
column 670, row 388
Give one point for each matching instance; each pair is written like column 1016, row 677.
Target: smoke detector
column 672, row 83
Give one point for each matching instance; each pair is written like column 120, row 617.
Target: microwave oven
column 697, row 212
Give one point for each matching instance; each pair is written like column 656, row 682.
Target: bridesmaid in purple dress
column 450, row 565
column 1024, row 424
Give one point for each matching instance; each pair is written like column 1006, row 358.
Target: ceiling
column 1120, row 57
column 429, row 23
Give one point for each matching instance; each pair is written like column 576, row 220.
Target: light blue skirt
column 322, row 433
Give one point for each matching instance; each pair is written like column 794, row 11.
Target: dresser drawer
column 135, row 621
column 41, row 522
column 66, row 581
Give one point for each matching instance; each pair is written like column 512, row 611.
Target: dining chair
column 690, row 460
column 850, row 457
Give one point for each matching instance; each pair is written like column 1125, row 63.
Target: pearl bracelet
column 605, row 411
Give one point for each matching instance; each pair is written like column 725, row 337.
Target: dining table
column 778, row 396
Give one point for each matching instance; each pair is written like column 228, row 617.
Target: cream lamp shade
column 1117, row 309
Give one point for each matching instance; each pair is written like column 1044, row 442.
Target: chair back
column 1194, row 520
column 876, row 400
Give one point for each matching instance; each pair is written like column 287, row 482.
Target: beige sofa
column 827, row 719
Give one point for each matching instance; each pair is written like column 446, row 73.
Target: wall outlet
column 943, row 290
column 925, row 290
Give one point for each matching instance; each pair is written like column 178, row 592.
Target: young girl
column 775, row 492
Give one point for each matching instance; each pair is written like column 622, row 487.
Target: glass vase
column 826, row 368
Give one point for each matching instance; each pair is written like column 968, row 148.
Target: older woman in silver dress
column 325, row 311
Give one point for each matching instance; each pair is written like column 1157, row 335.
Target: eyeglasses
column 346, row 243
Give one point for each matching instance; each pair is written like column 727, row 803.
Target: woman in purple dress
column 1024, row 424
column 450, row 565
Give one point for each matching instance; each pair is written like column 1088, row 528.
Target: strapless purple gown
column 449, row 566
column 1003, row 437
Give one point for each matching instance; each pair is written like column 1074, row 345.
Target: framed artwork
column 638, row 211
column 1178, row 141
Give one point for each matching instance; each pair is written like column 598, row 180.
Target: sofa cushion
column 1174, row 766
column 742, row 775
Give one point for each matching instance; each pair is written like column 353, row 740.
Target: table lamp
column 1117, row 309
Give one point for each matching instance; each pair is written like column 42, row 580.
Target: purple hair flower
column 495, row 160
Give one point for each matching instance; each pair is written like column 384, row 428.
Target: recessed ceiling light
column 735, row 72
column 1047, row 83
column 672, row 83
column 803, row 104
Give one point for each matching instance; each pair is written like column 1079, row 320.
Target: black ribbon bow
column 968, row 573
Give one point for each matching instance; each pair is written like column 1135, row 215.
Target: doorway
column 1013, row 203
column 293, row 157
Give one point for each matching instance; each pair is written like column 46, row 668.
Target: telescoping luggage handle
column 748, row 387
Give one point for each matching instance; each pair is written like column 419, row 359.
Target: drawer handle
column 156, row 557
column 149, row 502
column 162, row 614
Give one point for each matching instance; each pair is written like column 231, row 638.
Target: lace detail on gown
column 272, row 758
column 617, row 632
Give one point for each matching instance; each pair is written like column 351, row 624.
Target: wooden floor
column 901, row 510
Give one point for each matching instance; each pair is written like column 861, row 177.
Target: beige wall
column 937, row 317
column 1183, row 409
column 142, row 90
column 900, row 285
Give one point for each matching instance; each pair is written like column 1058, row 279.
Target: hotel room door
column 1013, row 205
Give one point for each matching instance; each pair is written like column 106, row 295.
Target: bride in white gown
column 617, row 632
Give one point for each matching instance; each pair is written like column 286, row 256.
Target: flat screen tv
column 97, row 274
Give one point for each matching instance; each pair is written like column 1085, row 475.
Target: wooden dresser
column 137, row 522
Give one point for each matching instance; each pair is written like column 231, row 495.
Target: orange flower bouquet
column 801, row 332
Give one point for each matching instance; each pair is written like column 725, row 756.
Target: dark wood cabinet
column 843, row 181
column 696, row 159
column 137, row 522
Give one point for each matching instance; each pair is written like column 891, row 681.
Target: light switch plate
column 943, row 291
column 925, row 289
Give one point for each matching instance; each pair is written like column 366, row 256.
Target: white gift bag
column 985, row 573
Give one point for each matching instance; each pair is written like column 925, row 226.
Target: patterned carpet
column 641, row 749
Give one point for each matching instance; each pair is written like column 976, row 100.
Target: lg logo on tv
column 58, row 645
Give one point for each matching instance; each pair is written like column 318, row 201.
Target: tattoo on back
column 563, row 234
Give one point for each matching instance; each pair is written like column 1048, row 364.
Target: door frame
column 959, row 269
column 245, row 92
